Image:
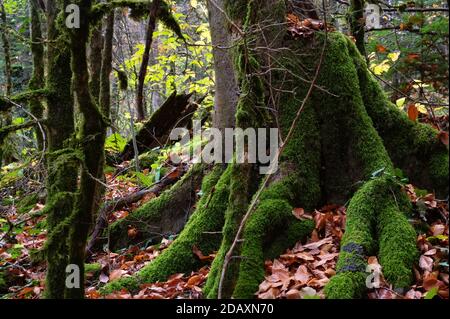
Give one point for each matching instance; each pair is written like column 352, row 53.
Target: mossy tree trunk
column 346, row 146
column 6, row 117
column 71, row 206
column 62, row 158
column 93, row 131
column 95, row 55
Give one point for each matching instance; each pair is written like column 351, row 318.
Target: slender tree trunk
column 357, row 24
column 156, row 95
column 62, row 159
column 93, row 133
column 6, row 50
column 226, row 89
column 37, row 76
column 106, row 66
column 105, row 93
column 7, row 119
column 95, row 56
column 140, row 108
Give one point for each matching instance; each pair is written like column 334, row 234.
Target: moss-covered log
column 163, row 216
column 343, row 149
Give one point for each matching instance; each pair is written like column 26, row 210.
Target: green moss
column 375, row 212
column 397, row 241
column 263, row 239
column 146, row 160
column 243, row 184
column 352, row 154
column 128, row 283
column 27, row 203
column 413, row 147
column 152, row 212
column 200, row 231
column 347, row 285
column 92, row 268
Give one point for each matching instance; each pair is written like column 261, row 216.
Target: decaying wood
column 117, row 204
column 155, row 131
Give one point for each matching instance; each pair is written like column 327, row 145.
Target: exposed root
column 376, row 211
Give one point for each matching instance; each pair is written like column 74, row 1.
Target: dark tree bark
column 8, row 74
column 95, row 55
column 151, row 25
column 105, row 92
column 61, row 158
column 37, row 80
column 357, row 24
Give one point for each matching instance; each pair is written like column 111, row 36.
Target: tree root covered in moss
column 163, row 216
column 202, row 231
column 117, row 204
column 376, row 211
column 343, row 147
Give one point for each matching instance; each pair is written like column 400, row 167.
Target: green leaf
column 432, row 293
column 115, row 143
column 144, row 179
column 401, row 102
column 18, row 121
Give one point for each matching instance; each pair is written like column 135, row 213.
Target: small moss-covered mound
column 27, row 203
column 164, row 215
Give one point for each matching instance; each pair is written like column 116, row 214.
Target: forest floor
column 299, row 273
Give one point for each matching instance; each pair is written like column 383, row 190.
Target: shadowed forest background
column 92, row 204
